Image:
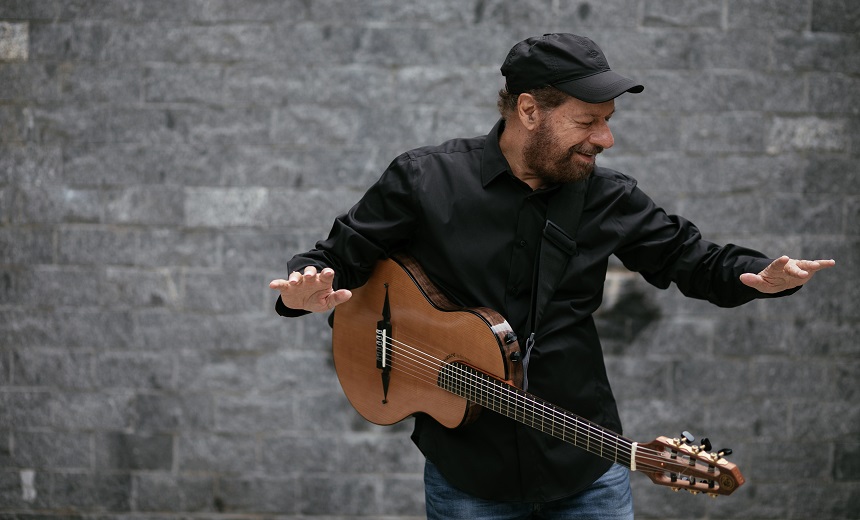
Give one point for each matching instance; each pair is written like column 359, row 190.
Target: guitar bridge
column 383, row 346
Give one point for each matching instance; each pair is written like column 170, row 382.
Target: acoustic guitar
column 401, row 347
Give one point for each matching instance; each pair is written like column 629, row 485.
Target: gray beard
column 548, row 161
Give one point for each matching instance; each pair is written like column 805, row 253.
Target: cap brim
column 600, row 87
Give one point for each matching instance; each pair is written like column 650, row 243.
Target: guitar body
column 430, row 332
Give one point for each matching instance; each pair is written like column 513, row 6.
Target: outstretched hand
column 785, row 273
column 310, row 291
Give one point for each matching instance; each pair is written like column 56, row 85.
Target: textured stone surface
column 160, row 160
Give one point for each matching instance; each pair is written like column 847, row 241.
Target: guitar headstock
column 681, row 464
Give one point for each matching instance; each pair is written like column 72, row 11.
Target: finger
column 310, row 271
column 780, row 263
column 327, row 274
column 339, row 296
column 816, row 265
column 278, row 284
column 295, row 277
column 751, row 280
column 793, row 268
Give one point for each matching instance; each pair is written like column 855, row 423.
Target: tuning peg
column 706, row 444
column 725, row 452
column 687, row 437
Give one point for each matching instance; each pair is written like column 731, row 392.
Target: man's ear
column 528, row 111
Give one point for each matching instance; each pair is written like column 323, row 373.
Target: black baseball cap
column 573, row 64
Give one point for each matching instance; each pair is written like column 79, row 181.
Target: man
column 474, row 213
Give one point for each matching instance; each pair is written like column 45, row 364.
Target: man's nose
column 602, row 136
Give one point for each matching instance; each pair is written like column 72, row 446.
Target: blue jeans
column 608, row 498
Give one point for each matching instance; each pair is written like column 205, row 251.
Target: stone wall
column 161, row 159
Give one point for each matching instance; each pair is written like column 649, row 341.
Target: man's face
column 564, row 145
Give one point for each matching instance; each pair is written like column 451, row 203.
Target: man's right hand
column 310, row 291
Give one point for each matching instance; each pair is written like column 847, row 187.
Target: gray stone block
column 102, row 411
column 96, row 245
column 14, row 41
column 52, row 451
column 56, row 286
column 389, row 12
column 103, row 492
column 181, row 83
column 134, row 452
column 179, row 247
column 836, row 16
column 791, row 380
column 162, row 491
column 222, row 207
column 137, row 370
column 20, row 246
column 148, row 205
column 297, row 453
column 237, row 292
column 17, row 125
column 45, row 367
column 809, row 134
column 66, row 327
column 100, row 82
column 21, row 82
column 98, row 10
column 592, row 16
column 172, row 412
column 766, row 16
column 223, row 453
column 258, row 495
column 256, row 414
column 56, row 204
column 816, row 52
column 160, row 328
column 356, row 495
column 678, row 13
column 31, row 165
column 26, row 10
column 846, row 461
column 732, row 132
column 639, row 132
column 835, row 94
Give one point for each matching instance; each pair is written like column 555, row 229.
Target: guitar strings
column 537, row 409
column 425, row 368
column 428, row 376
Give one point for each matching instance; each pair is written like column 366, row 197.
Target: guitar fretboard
column 533, row 411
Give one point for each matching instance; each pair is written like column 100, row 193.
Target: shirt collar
column 493, row 162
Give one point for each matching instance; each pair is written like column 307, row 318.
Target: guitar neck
column 533, row 411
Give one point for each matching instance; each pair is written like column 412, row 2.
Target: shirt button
column 522, row 243
column 514, row 290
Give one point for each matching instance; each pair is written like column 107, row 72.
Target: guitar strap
column 556, row 249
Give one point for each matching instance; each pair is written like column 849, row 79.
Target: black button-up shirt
column 476, row 230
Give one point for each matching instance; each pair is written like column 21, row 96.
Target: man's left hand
column 785, row 273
